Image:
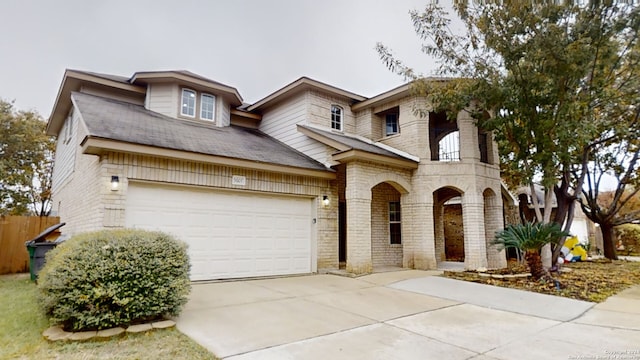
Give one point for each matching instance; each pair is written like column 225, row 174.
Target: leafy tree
column 559, row 79
column 26, row 160
column 610, row 210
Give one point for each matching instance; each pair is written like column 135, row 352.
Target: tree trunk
column 534, row 261
column 608, row 242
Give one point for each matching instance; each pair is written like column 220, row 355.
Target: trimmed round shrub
column 111, row 278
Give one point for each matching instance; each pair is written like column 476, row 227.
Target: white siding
column 163, row 99
column 280, row 122
column 223, row 113
column 65, row 152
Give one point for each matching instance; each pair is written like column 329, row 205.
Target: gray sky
column 255, row 46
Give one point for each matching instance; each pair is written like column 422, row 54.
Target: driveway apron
column 401, row 315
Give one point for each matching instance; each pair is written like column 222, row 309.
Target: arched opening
column 444, row 137
column 485, row 143
column 386, row 227
column 448, row 224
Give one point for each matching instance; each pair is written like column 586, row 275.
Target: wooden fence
column 14, row 232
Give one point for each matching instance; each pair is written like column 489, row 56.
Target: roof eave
column 353, row 154
column 394, row 94
column 323, row 139
column 72, row 81
column 97, row 145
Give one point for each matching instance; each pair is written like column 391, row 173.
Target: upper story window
column 336, row 117
column 188, row 103
column 207, row 106
column 391, row 124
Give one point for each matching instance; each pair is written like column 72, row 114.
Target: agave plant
column 530, row 238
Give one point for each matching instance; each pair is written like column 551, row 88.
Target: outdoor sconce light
column 325, row 200
column 115, row 182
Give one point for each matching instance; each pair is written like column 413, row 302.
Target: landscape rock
column 83, row 335
column 110, row 332
column 139, row 328
column 56, row 333
column 163, row 324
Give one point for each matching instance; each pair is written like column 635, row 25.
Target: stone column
column 438, row 224
column 469, row 150
column 419, row 246
column 358, row 196
column 475, row 247
column 493, row 219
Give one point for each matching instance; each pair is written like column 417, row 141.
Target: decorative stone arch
column 387, row 188
column 398, row 182
column 448, row 224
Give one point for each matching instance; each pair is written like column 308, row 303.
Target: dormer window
column 188, row 104
column 336, row 117
column 207, row 106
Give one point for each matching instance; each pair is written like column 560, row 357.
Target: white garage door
column 230, row 234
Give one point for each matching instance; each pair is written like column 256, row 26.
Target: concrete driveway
column 404, row 315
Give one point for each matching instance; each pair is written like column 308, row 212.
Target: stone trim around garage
column 56, row 333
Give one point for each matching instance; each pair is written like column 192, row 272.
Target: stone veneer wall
column 383, row 253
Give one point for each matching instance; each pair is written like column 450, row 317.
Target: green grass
column 22, row 323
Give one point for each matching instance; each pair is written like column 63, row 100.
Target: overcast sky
column 255, row 46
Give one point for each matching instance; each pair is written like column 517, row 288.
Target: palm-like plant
column 530, row 238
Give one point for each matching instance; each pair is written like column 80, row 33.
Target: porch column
column 475, row 246
column 438, row 224
column 418, row 246
column 358, row 196
column 493, row 219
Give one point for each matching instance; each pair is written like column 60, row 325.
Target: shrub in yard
column 110, row 278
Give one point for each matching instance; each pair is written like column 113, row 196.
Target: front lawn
column 22, row 323
column 590, row 281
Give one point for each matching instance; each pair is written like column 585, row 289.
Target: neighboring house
column 310, row 178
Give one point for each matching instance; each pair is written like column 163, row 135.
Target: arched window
column 336, row 117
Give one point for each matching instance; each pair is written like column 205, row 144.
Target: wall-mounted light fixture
column 115, row 182
column 325, row 200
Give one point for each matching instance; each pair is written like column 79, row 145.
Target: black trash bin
column 38, row 248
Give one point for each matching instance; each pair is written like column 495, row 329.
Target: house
column 310, row 178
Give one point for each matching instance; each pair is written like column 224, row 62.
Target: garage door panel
column 230, row 234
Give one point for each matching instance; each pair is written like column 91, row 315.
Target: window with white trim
column 188, row 103
column 207, row 106
column 336, row 117
column 391, row 124
column 395, row 226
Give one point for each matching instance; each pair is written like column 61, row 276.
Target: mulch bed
column 590, row 280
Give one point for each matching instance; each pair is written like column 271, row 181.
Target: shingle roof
column 121, row 121
column 354, row 143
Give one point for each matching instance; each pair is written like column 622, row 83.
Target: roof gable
column 303, row 83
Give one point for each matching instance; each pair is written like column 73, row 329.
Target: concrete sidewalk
column 403, row 315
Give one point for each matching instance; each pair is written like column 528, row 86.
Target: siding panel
column 163, row 98
column 280, row 123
